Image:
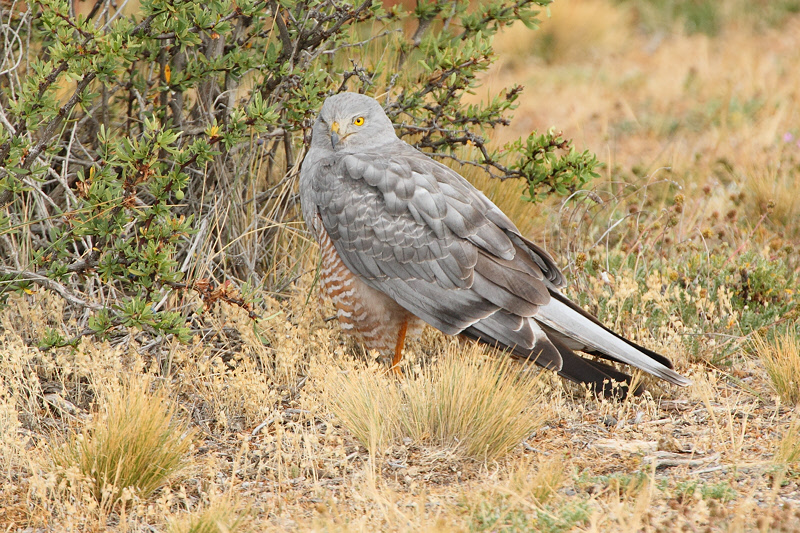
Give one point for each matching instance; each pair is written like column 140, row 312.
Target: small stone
column 610, row 420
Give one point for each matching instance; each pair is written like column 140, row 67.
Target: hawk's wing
column 417, row 231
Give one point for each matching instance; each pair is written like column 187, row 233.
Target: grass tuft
column 476, row 405
column 368, row 405
column 540, row 484
column 219, row 517
column 788, row 450
column 781, row 358
column 131, row 448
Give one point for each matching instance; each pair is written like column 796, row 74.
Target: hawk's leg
column 398, row 347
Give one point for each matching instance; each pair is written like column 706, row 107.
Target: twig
column 47, row 283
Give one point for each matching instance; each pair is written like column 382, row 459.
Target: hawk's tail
column 602, row 378
column 566, row 328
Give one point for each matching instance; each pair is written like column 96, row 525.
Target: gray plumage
column 418, row 232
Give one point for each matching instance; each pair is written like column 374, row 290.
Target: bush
column 150, row 154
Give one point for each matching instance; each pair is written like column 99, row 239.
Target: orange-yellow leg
column 398, row 348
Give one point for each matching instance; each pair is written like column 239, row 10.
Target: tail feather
column 543, row 353
column 585, row 314
column 603, row 378
column 560, row 329
column 593, row 337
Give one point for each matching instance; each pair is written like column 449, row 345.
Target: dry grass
column 462, row 402
column 132, row 448
column 722, row 112
column 589, row 465
column 540, row 481
column 781, row 359
column 368, row 406
column 221, row 516
column 788, row 452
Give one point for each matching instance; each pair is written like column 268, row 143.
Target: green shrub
column 155, row 152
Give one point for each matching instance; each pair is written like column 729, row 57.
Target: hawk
column 407, row 241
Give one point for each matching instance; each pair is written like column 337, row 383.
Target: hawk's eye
column 358, row 121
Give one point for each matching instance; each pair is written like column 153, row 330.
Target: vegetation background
column 165, row 364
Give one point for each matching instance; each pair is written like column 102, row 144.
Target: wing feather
column 414, row 229
column 403, row 217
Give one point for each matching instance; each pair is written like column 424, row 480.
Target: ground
column 688, row 243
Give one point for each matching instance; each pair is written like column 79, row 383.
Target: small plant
column 781, row 358
column 685, row 491
column 788, row 450
column 134, row 446
column 219, row 517
column 499, row 515
column 479, row 407
column 722, row 492
column 555, row 519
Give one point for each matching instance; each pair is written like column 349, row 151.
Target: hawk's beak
column 334, row 134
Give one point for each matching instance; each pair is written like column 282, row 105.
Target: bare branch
column 49, row 284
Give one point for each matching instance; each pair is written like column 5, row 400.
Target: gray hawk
column 406, row 241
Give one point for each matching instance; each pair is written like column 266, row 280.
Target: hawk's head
column 352, row 122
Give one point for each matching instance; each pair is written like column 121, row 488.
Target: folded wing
column 417, row 231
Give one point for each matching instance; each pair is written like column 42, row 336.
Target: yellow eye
column 358, row 121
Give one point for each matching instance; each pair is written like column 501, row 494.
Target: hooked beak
column 334, row 134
